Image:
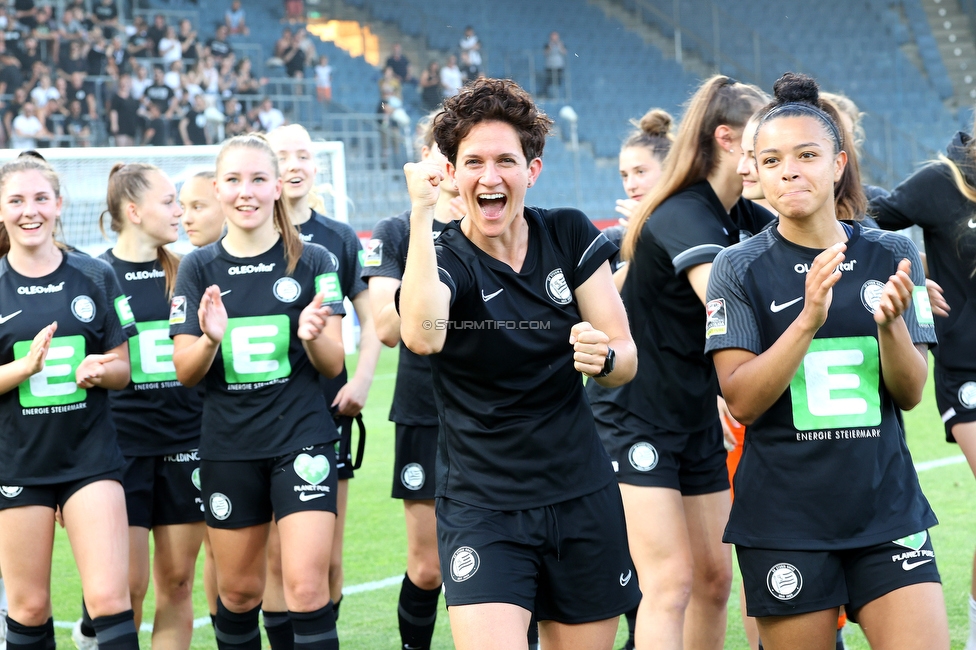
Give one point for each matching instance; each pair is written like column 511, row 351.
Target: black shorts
column 645, row 455
column 568, row 562
column 955, row 395
column 163, row 490
column 52, row 496
column 343, row 447
column 246, row 493
column 783, row 583
column 413, row 464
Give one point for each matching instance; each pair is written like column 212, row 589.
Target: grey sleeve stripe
column 446, row 278
column 235, row 639
column 695, row 250
column 594, row 245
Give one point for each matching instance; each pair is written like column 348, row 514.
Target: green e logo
column 152, row 353
column 328, row 285
column 124, row 311
column 255, row 349
column 836, row 386
column 55, row 384
column 923, row 308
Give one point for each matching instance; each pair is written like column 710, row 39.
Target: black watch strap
column 609, row 363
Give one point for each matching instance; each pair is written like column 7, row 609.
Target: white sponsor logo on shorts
column 625, row 579
column 11, row 491
column 309, row 497
column 220, row 506
column 464, row 563
column 412, row 476
column 784, row 581
column 643, row 456
column 967, row 394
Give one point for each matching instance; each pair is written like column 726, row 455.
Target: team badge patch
column 871, row 295
column 220, row 506
column 967, row 394
column 374, row 253
column 412, row 476
column 716, row 322
column 784, row 581
column 83, row 308
column 11, row 491
column 643, row 456
column 558, row 288
column 287, row 289
column 464, row 563
column 177, row 310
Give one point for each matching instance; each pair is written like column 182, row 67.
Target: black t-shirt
column 158, row 127
column 155, row 414
column 386, row 256
column 127, row 109
column 155, row 34
column 51, row 431
column 81, row 93
column 195, row 124
column 262, row 398
column 675, row 387
column 12, row 76
column 344, row 249
column 218, row 48
column 929, row 198
column 69, row 66
column 161, row 95
column 189, row 53
column 105, row 12
column 516, row 430
column 827, row 466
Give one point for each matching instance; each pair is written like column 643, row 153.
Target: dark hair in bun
column 799, row 95
column 653, row 132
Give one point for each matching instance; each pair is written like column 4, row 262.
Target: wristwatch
column 608, row 364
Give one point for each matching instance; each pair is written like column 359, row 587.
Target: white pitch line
column 395, row 580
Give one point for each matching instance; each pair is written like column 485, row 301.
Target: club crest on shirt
column 412, row 476
column 374, row 253
column 83, row 308
column 716, row 321
column 177, row 310
column 464, row 563
column 784, row 581
column 557, row 288
column 967, row 394
column 287, row 289
column 871, row 294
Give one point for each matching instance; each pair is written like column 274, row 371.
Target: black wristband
column 608, row 363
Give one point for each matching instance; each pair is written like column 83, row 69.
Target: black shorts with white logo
column 51, row 496
column 645, row 455
column 783, row 583
column 163, row 490
column 238, row 494
column 413, row 464
column 343, row 447
column 955, row 395
column 568, row 562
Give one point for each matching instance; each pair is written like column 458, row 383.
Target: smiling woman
column 819, row 376
column 513, row 304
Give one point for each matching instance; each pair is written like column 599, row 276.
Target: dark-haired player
column 513, row 304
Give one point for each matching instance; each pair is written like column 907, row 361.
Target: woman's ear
column 726, row 137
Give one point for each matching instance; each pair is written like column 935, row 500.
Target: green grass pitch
column 375, row 547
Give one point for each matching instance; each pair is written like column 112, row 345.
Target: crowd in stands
column 89, row 78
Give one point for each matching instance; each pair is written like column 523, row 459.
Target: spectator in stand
column 106, row 16
column 218, row 45
column 294, row 59
column 118, row 60
column 188, row 41
column 247, row 84
column 11, row 76
column 269, row 117
column 75, row 61
column 472, row 45
column 164, row 99
column 25, row 13
column 155, row 133
column 12, row 110
column 235, row 19
column 400, row 63
column 83, row 91
column 97, row 57
column 123, row 114
column 294, row 11
column 451, row 79
column 77, row 126
column 389, row 85
column 323, row 79
column 174, row 76
column 193, row 126
column 138, row 46
column 469, row 71
column 430, row 87
column 156, row 32
column 47, row 34
column 54, row 115
column 235, row 120
column 555, row 64
column 282, row 45
column 140, row 81
column 169, row 48
column 44, row 92
column 4, row 18
column 29, row 55
column 71, row 30
column 26, row 128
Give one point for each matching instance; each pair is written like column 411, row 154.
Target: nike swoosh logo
column 224, row 293
column 4, row 319
column 773, row 307
column 487, row 297
column 908, row 566
column 308, row 497
column 625, row 580
column 971, row 224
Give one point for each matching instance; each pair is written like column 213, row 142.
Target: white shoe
column 82, row 642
